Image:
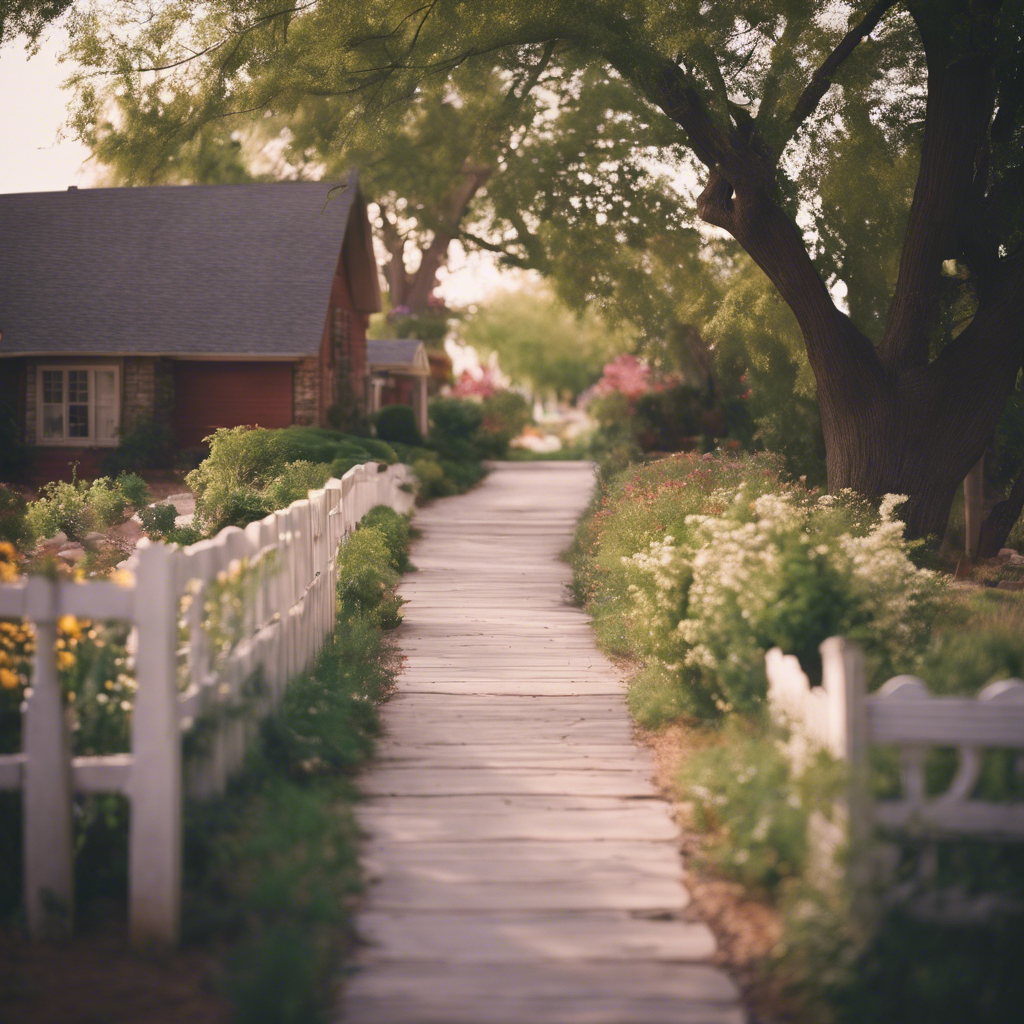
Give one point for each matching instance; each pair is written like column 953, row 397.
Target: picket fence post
column 154, row 873
column 46, row 792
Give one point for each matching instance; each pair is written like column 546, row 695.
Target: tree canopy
column 877, row 145
column 28, row 18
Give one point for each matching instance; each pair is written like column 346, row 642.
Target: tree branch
column 821, row 80
column 506, row 257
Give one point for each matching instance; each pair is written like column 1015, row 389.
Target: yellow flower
column 65, row 659
column 70, row 626
column 9, row 680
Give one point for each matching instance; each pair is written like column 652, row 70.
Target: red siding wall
column 208, row 395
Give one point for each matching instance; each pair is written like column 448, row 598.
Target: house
column 399, row 369
column 199, row 306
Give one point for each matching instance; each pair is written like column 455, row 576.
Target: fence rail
column 285, row 569
column 841, row 717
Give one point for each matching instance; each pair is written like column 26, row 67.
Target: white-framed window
column 78, row 404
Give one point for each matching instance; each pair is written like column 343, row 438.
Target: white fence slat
column 154, row 882
column 946, row 721
column 107, row 773
column 46, row 792
column 948, row 819
column 97, row 599
column 12, row 771
column 12, row 599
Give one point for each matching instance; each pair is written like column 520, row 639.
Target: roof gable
column 235, row 270
column 398, row 355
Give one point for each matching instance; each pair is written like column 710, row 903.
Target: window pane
column 53, row 421
column 106, row 403
column 105, row 387
column 78, row 420
column 53, row 386
column 78, row 385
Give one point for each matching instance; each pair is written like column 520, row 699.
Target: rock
column 73, row 553
column 1006, row 553
column 1016, row 559
column 1010, row 585
column 60, row 537
column 94, row 538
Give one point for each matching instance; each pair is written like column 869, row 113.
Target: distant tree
column 542, row 344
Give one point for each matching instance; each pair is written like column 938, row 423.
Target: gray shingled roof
column 391, row 351
column 175, row 270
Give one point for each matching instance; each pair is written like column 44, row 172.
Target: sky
column 32, row 114
column 34, row 157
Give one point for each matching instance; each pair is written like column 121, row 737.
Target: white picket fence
column 288, row 561
column 842, row 718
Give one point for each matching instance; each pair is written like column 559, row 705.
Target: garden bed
column 693, row 566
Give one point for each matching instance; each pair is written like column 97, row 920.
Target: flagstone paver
column 522, row 867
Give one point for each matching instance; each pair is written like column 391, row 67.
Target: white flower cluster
column 750, row 577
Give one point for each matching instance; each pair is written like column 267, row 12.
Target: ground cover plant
column 694, row 566
column 76, row 508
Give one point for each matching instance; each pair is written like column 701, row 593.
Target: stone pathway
column 524, row 869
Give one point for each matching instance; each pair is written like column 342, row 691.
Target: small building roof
column 199, row 270
column 398, row 355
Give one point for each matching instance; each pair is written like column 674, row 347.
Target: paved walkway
column 524, row 869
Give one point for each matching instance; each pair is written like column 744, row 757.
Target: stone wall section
column 306, row 393
column 138, row 391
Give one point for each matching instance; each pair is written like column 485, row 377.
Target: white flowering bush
column 779, row 569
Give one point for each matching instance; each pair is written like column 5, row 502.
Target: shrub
column 779, row 570
column 462, row 474
column 339, row 467
column 295, row 483
column 394, row 528
column 62, row 508
column 398, row 423
column 504, row 415
column 241, row 460
column 741, row 792
column 184, row 535
column 431, row 478
column 158, row 520
column 454, row 422
column 669, row 420
column 134, row 488
column 107, row 501
column 378, row 451
column 237, row 508
column 365, row 573
column 149, row 444
column 13, row 527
